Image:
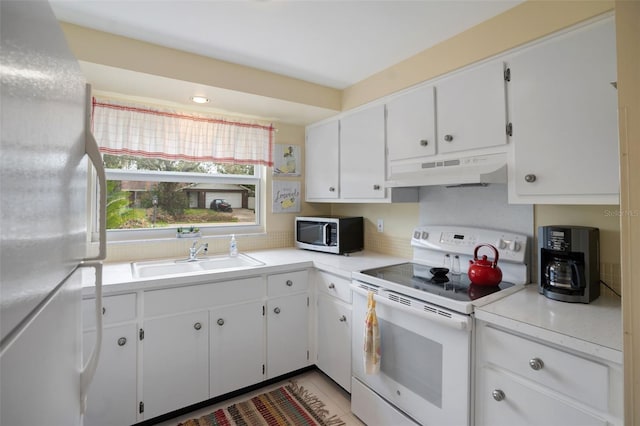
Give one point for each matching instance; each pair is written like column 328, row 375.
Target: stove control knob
column 424, row 235
column 501, row 244
column 514, row 246
column 416, row 235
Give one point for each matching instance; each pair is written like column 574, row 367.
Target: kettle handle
column 495, row 253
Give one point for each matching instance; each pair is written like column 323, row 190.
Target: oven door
column 425, row 357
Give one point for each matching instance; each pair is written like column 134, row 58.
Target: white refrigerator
column 45, row 158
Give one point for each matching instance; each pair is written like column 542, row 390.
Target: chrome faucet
column 194, row 250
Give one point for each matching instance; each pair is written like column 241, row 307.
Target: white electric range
column 425, row 320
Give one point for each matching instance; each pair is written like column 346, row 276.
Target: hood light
column 200, row 99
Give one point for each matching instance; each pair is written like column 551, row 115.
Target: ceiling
column 333, row 43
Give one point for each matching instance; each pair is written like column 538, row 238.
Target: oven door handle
column 456, row 321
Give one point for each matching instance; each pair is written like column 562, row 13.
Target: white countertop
column 118, row 277
column 594, row 328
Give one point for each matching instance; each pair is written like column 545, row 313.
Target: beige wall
column 628, row 35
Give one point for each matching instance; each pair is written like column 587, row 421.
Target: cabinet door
column 362, row 154
column 564, row 113
column 334, row 340
column 501, row 400
column 411, row 127
column 175, row 362
column 322, row 161
column 112, row 398
column 237, row 347
column 287, row 334
column 471, row 109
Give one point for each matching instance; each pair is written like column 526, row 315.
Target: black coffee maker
column 569, row 263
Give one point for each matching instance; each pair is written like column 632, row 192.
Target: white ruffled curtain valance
column 129, row 129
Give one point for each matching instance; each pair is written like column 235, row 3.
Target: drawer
column 115, row 309
column 501, row 400
column 189, row 298
column 287, row 283
column 333, row 285
column 579, row 378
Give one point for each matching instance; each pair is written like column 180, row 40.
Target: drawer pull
column 498, row 395
column 343, row 318
column 332, row 286
column 536, row 364
column 122, row 341
column 220, row 321
column 197, row 326
column 289, row 283
column 276, row 310
column 104, row 310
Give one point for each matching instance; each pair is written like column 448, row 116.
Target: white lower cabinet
column 236, row 336
column 287, row 334
column 526, row 381
column 112, row 395
column 334, row 339
column 175, row 362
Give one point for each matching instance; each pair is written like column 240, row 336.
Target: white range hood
column 481, row 169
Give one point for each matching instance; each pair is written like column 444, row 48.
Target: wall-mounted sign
column 286, row 197
column 285, row 160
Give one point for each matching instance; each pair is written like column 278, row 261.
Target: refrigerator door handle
column 93, row 151
column 89, row 369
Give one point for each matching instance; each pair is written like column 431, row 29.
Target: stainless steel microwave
column 330, row 234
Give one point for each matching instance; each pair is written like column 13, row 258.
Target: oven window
column 412, row 360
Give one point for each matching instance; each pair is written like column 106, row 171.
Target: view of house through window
column 156, row 193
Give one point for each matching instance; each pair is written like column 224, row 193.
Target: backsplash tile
column 178, row 248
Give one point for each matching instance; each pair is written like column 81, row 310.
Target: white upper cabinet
column 471, row 109
column 362, row 154
column 322, row 161
column 564, row 112
column 411, row 129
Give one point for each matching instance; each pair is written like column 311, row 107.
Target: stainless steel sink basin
column 207, row 264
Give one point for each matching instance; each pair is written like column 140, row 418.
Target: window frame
column 169, row 233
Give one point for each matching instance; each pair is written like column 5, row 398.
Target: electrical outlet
column 380, row 225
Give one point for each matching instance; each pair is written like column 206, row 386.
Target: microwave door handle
column 325, row 234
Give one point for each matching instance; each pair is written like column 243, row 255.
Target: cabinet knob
column 332, row 286
column 332, row 189
column 498, row 395
column 536, row 364
column 424, row 142
column 448, row 138
column 376, row 187
column 342, row 318
column 197, row 326
column 289, row 283
column 104, row 310
column 220, row 321
column 276, row 310
column 530, row 178
column 122, row 341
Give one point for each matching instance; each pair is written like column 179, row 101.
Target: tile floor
column 336, row 400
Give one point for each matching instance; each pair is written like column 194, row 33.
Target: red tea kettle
column 483, row 271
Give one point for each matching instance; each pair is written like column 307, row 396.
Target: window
column 169, row 172
column 182, row 196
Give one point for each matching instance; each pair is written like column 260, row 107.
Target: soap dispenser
column 233, row 246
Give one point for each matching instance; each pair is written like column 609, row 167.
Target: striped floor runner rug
column 289, row 405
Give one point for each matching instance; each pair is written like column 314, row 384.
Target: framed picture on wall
column 285, row 196
column 286, row 160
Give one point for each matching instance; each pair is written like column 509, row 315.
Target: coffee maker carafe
column 569, row 263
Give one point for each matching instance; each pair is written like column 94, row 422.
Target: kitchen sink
column 207, row 264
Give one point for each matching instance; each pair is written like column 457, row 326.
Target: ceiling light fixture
column 200, row 99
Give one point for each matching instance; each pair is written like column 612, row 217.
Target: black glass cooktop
column 417, row 276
